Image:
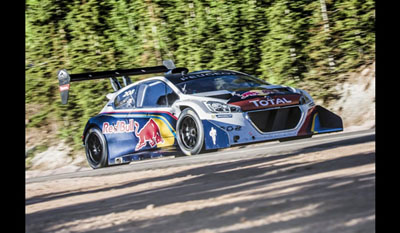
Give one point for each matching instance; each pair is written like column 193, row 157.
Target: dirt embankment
column 356, row 105
column 316, row 190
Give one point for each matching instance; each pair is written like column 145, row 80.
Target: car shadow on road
column 202, row 170
column 330, row 202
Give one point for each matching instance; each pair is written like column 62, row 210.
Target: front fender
column 214, row 136
column 197, row 105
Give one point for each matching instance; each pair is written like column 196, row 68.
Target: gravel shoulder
column 317, row 190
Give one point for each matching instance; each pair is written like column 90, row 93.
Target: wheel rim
column 188, row 132
column 95, row 148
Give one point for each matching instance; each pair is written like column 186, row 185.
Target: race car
column 192, row 112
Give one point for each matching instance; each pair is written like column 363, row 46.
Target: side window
column 156, row 94
column 171, row 96
column 126, row 99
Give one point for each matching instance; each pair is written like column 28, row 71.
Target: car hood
column 268, row 96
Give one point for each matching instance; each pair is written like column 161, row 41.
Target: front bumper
column 225, row 130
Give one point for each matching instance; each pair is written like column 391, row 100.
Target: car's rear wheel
column 190, row 132
column 96, row 148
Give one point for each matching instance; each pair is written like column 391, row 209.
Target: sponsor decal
column 232, row 128
column 64, row 87
column 119, row 127
column 224, row 115
column 267, row 102
column 129, row 93
column 270, row 101
column 150, row 133
column 196, row 76
column 255, row 93
column 213, row 134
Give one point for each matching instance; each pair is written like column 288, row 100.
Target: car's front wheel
column 96, row 148
column 190, row 132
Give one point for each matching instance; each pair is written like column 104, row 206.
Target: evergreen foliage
column 281, row 41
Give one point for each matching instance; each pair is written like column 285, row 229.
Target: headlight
column 217, row 107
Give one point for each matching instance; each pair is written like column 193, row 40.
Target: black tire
column 190, row 132
column 96, row 148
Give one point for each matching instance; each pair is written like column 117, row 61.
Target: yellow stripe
column 165, row 132
column 313, row 124
column 165, row 121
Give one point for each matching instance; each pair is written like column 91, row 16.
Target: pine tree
column 321, row 66
column 89, row 52
column 125, row 32
column 229, row 33
column 202, row 31
column 337, row 46
column 283, row 58
column 185, row 19
column 165, row 28
column 196, row 41
column 45, row 53
column 353, row 32
column 254, row 26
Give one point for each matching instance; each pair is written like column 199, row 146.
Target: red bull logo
column 150, row 132
column 119, row 127
column 255, row 93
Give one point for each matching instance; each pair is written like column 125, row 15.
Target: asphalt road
column 238, row 152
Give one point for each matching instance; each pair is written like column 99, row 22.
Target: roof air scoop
column 169, row 64
column 172, row 69
column 179, row 70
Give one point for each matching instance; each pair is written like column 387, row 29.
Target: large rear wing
column 64, row 78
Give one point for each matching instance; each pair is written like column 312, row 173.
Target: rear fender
column 90, row 124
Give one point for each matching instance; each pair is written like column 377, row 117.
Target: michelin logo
column 213, row 134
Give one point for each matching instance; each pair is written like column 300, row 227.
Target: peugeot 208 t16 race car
column 193, row 112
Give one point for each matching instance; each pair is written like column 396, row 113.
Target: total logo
column 266, row 102
column 149, row 133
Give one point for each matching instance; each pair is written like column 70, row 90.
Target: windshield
column 232, row 83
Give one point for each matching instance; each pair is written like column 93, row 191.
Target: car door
column 154, row 120
column 117, row 127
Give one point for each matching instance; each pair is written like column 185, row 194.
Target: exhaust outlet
column 118, row 160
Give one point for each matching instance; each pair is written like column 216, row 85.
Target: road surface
column 322, row 184
column 248, row 151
